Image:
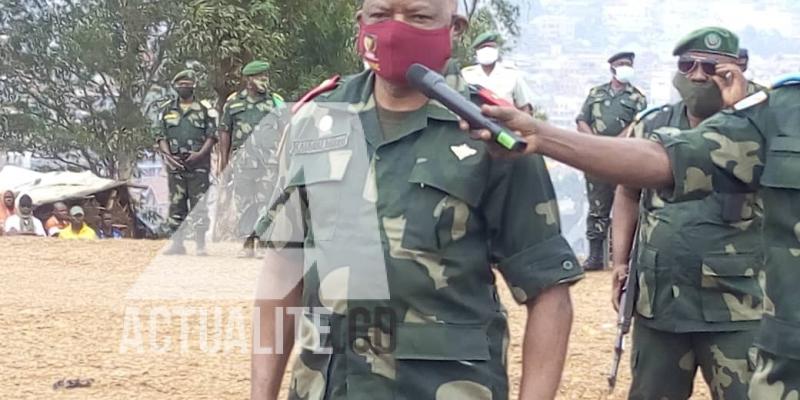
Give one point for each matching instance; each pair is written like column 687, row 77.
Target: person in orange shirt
column 78, row 229
column 59, row 221
column 6, row 208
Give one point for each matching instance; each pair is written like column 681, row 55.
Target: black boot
column 249, row 247
column 595, row 260
column 176, row 248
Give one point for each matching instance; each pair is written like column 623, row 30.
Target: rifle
column 627, row 302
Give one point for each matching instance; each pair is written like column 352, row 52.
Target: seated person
column 107, row 229
column 24, row 223
column 59, row 221
column 78, row 229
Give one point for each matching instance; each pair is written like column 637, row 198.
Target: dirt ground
column 86, row 310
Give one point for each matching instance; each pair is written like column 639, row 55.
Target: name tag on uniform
column 318, row 145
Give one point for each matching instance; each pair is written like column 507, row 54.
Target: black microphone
column 435, row 87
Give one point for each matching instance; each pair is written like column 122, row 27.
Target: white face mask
column 487, row 55
column 624, row 73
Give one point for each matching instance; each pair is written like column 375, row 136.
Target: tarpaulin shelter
column 94, row 193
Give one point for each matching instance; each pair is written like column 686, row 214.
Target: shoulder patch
column 752, row 100
column 787, row 80
column 326, row 86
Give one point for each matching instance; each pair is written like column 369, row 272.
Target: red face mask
column 391, row 47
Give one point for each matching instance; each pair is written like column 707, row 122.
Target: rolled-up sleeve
column 525, row 231
column 724, row 154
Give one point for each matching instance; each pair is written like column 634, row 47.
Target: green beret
column 710, row 39
column 184, row 75
column 486, row 37
column 255, row 67
column 625, row 54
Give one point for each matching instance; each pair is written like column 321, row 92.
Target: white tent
column 49, row 187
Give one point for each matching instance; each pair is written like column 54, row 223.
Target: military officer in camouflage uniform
column 607, row 111
column 188, row 133
column 752, row 146
column 248, row 132
column 442, row 212
column 697, row 261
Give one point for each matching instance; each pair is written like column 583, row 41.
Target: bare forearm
column 224, row 147
column 164, row 146
column 632, row 162
column 545, row 344
column 271, row 355
column 626, row 215
column 208, row 145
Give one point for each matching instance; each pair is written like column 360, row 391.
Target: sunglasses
column 688, row 64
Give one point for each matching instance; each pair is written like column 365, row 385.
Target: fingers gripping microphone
column 435, row 87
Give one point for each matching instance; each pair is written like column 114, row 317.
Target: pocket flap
column 460, row 184
column 782, row 168
column 442, row 342
column 730, row 265
column 307, row 169
column 648, row 258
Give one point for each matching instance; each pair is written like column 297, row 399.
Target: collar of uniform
column 243, row 95
column 195, row 106
column 362, row 90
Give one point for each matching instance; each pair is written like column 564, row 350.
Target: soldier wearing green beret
column 503, row 79
column 751, row 146
column 248, row 133
column 697, row 260
column 607, row 111
column 187, row 135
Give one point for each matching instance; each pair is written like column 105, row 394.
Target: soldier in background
column 697, row 261
column 607, row 111
column 503, row 79
column 248, row 134
column 188, row 133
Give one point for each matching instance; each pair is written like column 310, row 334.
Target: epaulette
column 206, row 104
column 644, row 113
column 488, row 97
column 210, row 110
column 278, row 100
column 162, row 105
column 787, row 80
column 326, row 86
column 232, row 96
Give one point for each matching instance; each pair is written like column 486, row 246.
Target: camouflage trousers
column 775, row 377
column 187, row 191
column 664, row 364
column 251, row 189
column 601, row 198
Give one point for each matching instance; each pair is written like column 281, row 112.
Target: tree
column 79, row 77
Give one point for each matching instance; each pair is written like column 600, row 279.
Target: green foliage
column 74, row 79
column 81, row 80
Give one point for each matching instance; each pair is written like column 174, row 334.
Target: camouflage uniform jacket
column 242, row 114
column 187, row 131
column 755, row 147
column 439, row 211
column 608, row 113
column 697, row 260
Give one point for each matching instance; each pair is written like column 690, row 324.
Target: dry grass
column 62, row 315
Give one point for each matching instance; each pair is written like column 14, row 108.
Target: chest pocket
column 629, row 110
column 782, row 167
column 321, row 176
column 198, row 120
column 441, row 204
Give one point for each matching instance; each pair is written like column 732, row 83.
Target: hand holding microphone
column 435, row 87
